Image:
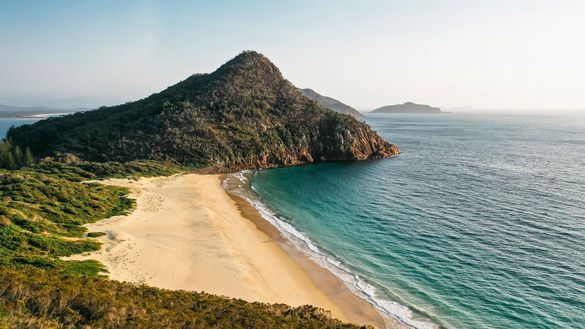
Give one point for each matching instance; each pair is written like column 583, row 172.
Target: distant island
column 11, row 111
column 408, row 107
column 331, row 103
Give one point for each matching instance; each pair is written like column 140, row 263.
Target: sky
column 485, row 54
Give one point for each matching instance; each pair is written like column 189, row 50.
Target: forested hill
column 243, row 115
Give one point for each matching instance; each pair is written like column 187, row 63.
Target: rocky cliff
column 243, row 115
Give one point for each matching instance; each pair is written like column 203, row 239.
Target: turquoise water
column 480, row 223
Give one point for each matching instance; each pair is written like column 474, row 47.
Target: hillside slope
column 243, row 115
column 331, row 103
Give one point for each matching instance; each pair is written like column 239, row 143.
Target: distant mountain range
column 11, row 111
column 330, row 103
column 407, row 107
column 244, row 115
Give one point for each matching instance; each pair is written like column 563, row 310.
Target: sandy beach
column 188, row 233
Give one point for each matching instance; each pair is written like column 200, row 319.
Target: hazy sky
column 485, row 54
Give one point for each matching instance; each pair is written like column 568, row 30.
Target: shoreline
column 189, row 233
column 354, row 306
column 356, row 309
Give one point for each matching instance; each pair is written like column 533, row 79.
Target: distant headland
column 11, row 111
column 330, row 103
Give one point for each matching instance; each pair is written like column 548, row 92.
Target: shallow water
column 479, row 223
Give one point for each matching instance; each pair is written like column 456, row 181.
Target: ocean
column 6, row 123
column 479, row 223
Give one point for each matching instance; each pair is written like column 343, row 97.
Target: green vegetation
column 45, row 206
column 41, row 218
column 243, row 115
column 77, row 170
column 41, row 299
column 12, row 157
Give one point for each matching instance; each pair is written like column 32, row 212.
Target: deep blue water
column 479, row 223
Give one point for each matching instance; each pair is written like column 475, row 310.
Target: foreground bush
column 34, row 298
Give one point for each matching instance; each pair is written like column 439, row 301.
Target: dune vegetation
column 35, row 298
column 41, row 218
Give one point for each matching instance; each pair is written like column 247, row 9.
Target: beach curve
column 188, row 233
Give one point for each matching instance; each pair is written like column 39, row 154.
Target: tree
column 10, row 162
column 5, row 154
column 29, row 159
column 18, row 157
column 12, row 157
